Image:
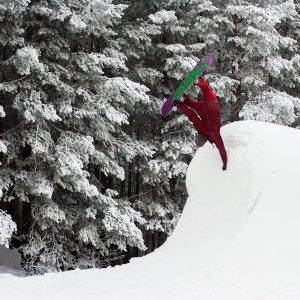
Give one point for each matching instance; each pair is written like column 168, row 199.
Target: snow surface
column 237, row 239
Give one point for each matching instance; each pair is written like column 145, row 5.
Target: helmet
column 200, row 140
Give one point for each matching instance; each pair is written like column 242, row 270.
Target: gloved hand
column 186, row 97
column 199, row 83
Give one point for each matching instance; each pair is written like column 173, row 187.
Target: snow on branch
column 32, row 107
column 3, row 147
column 178, row 66
column 276, row 66
column 115, row 116
column 149, row 75
column 272, row 106
column 72, row 154
column 52, row 212
column 39, row 140
column 108, row 166
column 123, row 90
column 77, row 23
column 32, row 183
column 26, row 60
column 253, row 80
column 2, row 112
column 163, row 17
column 223, row 86
column 175, row 48
column 7, row 227
column 160, row 217
column 90, row 234
column 121, row 220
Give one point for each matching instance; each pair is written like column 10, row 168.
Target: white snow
column 237, row 239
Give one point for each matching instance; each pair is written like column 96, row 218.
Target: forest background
column 91, row 174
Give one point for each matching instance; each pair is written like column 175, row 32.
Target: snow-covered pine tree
column 149, row 183
column 257, row 61
column 264, row 58
column 63, row 88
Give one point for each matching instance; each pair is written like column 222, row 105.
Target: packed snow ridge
column 238, row 237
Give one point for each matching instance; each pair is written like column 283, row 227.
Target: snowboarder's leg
column 197, row 122
column 191, row 114
column 220, row 145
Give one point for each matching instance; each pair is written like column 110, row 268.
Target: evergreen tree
column 89, row 167
column 266, row 61
column 261, row 58
column 256, row 59
column 155, row 186
column 63, row 88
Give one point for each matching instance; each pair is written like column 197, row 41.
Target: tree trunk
column 236, row 91
column 129, row 188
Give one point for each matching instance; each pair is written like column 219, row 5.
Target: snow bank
column 238, row 238
column 256, row 205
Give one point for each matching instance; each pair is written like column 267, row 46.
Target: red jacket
column 206, row 116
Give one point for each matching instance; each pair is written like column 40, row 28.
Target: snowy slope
column 238, row 237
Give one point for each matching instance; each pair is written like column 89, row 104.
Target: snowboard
column 184, row 86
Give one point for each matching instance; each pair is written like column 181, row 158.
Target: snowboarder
column 206, row 117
